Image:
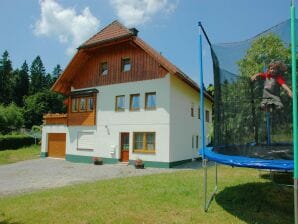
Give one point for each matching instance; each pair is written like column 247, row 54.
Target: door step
column 123, row 163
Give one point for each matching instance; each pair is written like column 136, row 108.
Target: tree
column 241, row 97
column 37, row 76
column 11, row 118
column 21, row 88
column 56, row 73
column 41, row 103
column 5, row 79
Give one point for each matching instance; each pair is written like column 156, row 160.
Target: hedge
column 15, row 141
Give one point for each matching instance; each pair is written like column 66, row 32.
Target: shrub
column 15, row 141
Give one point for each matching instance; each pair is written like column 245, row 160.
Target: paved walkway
column 39, row 174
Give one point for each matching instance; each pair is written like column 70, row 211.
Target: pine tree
column 37, row 76
column 21, row 84
column 56, row 73
column 6, row 78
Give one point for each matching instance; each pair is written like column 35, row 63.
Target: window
column 74, row 105
column 144, row 142
column 120, row 103
column 192, row 110
column 134, row 102
column 85, row 141
column 104, row 68
column 89, row 103
column 199, row 113
column 197, row 141
column 125, row 65
column 82, row 104
column 150, row 101
column 207, row 116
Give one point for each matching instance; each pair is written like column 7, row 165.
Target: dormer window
column 104, row 68
column 125, row 64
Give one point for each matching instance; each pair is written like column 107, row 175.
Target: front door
column 124, row 147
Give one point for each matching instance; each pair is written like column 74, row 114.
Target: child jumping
column 273, row 80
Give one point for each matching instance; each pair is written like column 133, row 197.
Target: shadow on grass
column 261, row 203
column 4, row 220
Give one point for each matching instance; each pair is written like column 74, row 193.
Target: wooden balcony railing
column 55, row 119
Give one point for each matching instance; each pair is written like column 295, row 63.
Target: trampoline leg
column 208, row 202
column 268, row 127
column 296, row 200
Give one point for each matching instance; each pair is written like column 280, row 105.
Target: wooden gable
column 112, row 44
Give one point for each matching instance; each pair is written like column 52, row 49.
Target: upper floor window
column 74, row 105
column 207, row 116
column 120, row 103
column 104, row 68
column 150, row 101
column 82, row 104
column 134, row 102
column 192, row 110
column 89, row 103
column 125, row 65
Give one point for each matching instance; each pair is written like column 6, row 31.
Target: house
column 125, row 101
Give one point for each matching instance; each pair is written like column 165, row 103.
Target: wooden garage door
column 56, row 145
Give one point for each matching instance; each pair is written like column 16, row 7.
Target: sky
column 53, row 29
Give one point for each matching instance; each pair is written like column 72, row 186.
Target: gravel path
column 31, row 175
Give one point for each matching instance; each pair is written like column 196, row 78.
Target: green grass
column 25, row 153
column 243, row 197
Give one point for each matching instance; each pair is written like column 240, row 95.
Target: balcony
column 50, row 119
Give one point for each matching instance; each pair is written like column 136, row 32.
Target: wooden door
column 124, row 147
column 56, row 145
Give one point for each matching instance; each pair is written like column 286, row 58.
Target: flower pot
column 98, row 162
column 139, row 166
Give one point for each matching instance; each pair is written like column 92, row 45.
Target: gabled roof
column 111, row 34
column 113, row 31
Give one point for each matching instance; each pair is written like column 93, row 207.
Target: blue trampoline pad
column 241, row 161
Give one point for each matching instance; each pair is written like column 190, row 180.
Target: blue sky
column 54, row 28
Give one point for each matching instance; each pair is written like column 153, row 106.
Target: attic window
column 125, row 64
column 104, row 68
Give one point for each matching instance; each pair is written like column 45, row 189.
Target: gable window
column 134, row 102
column 89, row 103
column 150, row 101
column 74, row 105
column 120, row 103
column 207, row 116
column 125, row 65
column 104, row 68
column 144, row 142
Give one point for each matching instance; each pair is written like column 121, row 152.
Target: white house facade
column 154, row 118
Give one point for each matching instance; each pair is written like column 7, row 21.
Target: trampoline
column 252, row 120
column 245, row 135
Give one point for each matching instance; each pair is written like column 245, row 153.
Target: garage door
column 56, row 145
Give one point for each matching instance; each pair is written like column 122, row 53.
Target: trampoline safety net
column 252, row 105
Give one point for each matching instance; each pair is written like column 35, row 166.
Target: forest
column 25, row 94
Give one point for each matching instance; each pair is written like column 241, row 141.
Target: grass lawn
column 15, row 155
column 244, row 197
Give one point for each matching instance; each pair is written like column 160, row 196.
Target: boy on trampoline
column 273, row 80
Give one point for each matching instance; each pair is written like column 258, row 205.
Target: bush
column 15, row 141
column 11, row 118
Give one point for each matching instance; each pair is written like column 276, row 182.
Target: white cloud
column 65, row 24
column 135, row 12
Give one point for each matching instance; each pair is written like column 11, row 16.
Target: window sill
column 152, row 108
column 144, row 151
